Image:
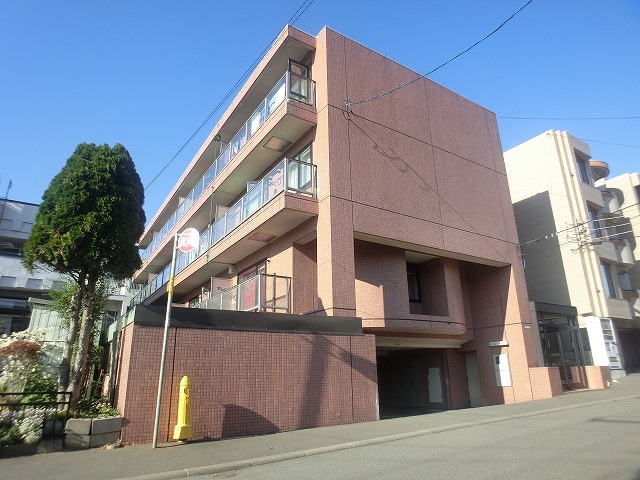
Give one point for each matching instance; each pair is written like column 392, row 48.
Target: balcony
column 289, row 87
column 625, row 253
column 289, row 177
column 599, row 169
column 262, row 293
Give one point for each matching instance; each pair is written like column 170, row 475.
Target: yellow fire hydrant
column 182, row 430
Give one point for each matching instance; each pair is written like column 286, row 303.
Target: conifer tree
column 87, row 227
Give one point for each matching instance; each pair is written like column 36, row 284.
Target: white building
column 576, row 255
column 24, row 295
column 17, row 284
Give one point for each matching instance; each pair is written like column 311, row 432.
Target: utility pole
column 4, row 203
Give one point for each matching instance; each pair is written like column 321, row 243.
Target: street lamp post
column 185, row 241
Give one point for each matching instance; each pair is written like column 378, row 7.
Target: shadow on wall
column 316, row 383
column 544, row 267
column 240, row 421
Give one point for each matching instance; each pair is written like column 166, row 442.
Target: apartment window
column 607, row 279
column 8, row 281
column 596, row 226
column 301, row 172
column 637, row 188
column 413, row 282
column 249, row 294
column 299, row 87
column 582, row 164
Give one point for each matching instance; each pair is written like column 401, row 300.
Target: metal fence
column 51, row 407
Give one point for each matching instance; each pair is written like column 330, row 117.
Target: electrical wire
column 348, row 103
column 552, row 235
column 568, row 118
column 606, row 237
column 609, row 143
column 294, row 18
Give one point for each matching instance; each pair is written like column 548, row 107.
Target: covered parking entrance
column 411, row 381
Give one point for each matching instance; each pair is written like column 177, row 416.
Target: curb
column 240, row 464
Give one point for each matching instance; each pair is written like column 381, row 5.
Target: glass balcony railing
column 290, row 86
column 262, row 293
column 289, row 175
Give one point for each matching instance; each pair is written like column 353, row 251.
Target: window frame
column 413, row 283
column 610, row 290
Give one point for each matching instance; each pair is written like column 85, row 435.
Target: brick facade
column 245, row 383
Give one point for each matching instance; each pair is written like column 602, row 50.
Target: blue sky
column 146, row 74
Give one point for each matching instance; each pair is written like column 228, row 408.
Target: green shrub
column 9, row 435
column 96, row 408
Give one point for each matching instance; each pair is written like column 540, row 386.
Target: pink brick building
column 369, row 252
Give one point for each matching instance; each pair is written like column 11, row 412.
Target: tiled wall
column 545, row 382
column 246, row 383
column 598, row 377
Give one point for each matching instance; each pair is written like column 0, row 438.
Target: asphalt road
column 593, row 442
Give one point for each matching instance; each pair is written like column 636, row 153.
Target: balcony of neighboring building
column 599, row 169
column 615, row 282
column 625, row 253
column 633, row 297
column 586, row 177
column 618, row 308
column 282, row 200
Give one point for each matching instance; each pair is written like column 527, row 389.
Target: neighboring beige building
column 352, row 260
column 575, row 254
column 626, row 191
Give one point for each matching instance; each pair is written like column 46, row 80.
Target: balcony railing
column 289, row 175
column 262, row 293
column 290, row 86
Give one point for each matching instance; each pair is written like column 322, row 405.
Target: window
column 607, row 279
column 596, row 226
column 299, row 87
column 300, row 172
column 298, row 68
column 582, row 166
column 249, row 292
column 413, row 282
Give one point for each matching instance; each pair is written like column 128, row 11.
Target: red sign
column 188, row 240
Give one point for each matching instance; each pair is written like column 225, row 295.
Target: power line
column 348, row 103
column 294, row 18
column 609, row 143
column 568, row 118
column 581, row 223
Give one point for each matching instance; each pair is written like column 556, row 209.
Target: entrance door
column 562, row 348
column 434, row 381
column 473, row 379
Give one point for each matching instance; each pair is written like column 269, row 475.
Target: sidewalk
column 180, row 461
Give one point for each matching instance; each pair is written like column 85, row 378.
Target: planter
column 83, row 433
